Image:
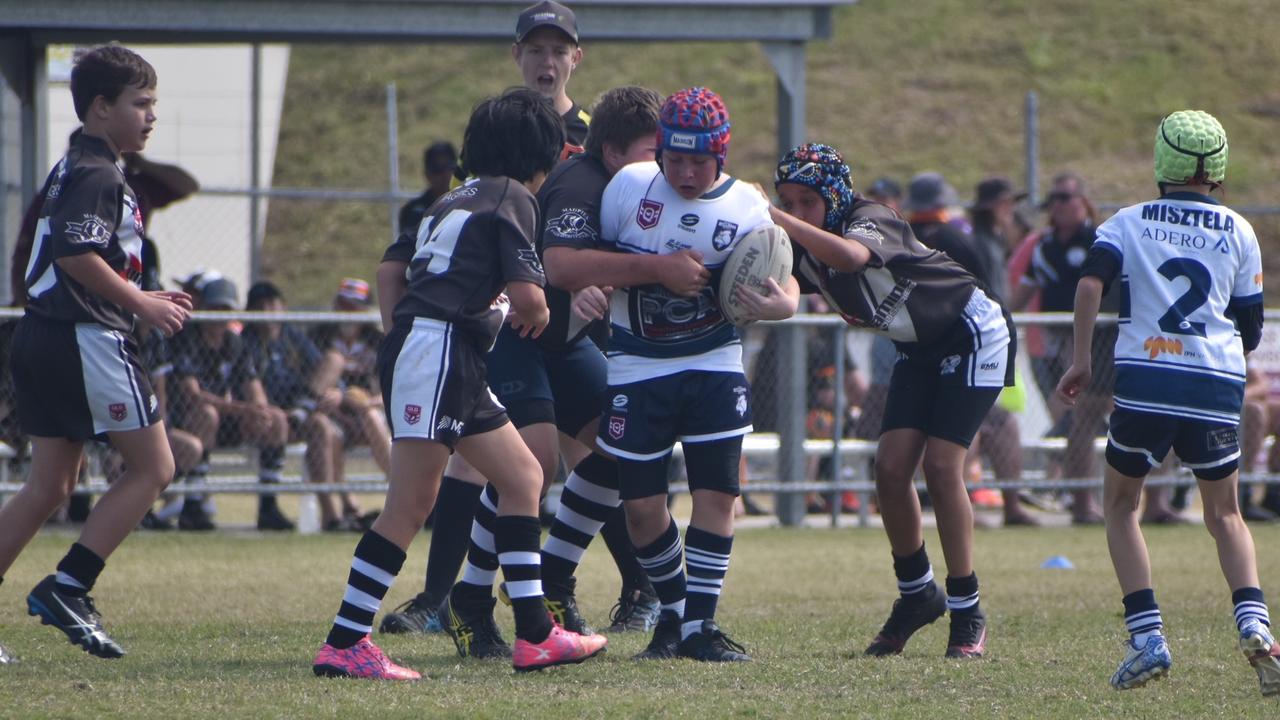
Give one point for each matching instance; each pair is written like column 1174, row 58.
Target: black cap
column 547, row 14
column 260, row 292
column 219, row 294
column 440, row 156
column 930, row 191
column 886, row 188
column 993, row 190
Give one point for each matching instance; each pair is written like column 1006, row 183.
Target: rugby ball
column 762, row 253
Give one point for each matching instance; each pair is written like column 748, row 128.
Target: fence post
column 255, row 163
column 791, row 410
column 393, row 157
column 1032, row 145
column 837, row 425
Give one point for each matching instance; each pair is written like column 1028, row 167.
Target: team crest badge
column 724, row 234
column 412, row 414
column 617, row 425
column 649, row 213
column 949, row 365
column 118, row 411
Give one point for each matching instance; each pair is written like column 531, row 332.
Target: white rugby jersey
column 656, row 332
column 1186, row 261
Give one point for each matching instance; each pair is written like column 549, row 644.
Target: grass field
column 225, row 625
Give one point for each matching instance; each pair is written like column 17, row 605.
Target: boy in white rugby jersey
column 1191, row 276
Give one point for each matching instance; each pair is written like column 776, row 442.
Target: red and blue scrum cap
column 694, row 120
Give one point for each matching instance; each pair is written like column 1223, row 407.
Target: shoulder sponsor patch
column 92, row 230
column 572, row 224
column 530, row 258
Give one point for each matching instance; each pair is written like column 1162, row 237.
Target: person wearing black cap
column 547, row 51
column 222, row 402
column 995, row 229
column 887, row 191
column 439, row 162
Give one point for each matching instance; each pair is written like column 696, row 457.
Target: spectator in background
column 350, row 353
column 887, row 191
column 290, row 367
column 1258, row 419
column 223, row 403
column 995, row 230
column 929, row 208
column 1056, row 255
column 439, row 163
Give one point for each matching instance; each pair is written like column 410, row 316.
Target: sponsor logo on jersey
column 1221, row 438
column 683, row 140
column 464, row 191
column 649, row 213
column 865, row 228
column 153, row 403
column 1185, row 240
column 619, row 401
column 572, row 224
column 665, row 317
column 949, row 365
column 1157, row 346
column 529, row 257
column 92, row 230
column 448, row 424
column 724, row 234
column 675, row 245
column 689, row 220
column 118, row 411
column 412, row 414
column 1076, row 255
column 617, row 426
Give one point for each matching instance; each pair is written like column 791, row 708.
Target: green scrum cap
column 1191, row 149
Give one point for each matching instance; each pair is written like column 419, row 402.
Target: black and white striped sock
column 707, row 555
column 663, row 560
column 516, row 538
column 590, row 496
column 374, row 568
column 962, row 594
column 481, row 568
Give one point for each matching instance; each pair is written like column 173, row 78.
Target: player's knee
column 892, row 471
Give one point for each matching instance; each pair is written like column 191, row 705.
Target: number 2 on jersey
column 438, row 240
column 1175, row 321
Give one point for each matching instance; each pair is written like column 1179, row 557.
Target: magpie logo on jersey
column 572, row 224
column 412, row 414
column 949, row 365
column 741, row 404
column 649, row 214
column 724, row 234
column 1158, row 346
column 866, row 229
column 92, row 230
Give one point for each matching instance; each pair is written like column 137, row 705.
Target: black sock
column 270, row 468
column 618, row 541
column 915, row 575
column 374, row 567
column 79, row 570
column 590, row 496
column 962, row 594
column 450, row 534
column 516, row 539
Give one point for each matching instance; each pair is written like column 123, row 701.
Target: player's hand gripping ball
column 762, row 253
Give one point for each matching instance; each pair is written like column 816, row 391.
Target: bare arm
column 191, row 388
column 529, row 303
column 838, row 253
column 1076, row 378
column 573, row 269
column 1022, row 294
column 391, row 287
column 165, row 310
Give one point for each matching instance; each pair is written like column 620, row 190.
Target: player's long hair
column 621, row 116
column 516, row 134
column 107, row 70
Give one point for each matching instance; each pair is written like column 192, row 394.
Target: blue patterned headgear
column 694, row 120
column 822, row 169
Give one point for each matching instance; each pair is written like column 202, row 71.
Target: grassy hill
column 901, row 87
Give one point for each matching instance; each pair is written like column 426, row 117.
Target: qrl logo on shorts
column 649, row 213
column 118, row 411
column 617, row 425
column 412, row 414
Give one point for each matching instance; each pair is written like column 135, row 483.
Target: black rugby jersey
column 570, row 202
column 907, row 291
column 88, row 207
column 1055, row 269
column 476, row 239
column 219, row 371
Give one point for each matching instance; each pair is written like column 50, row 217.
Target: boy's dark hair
column 516, row 134
column 622, row 116
column 107, row 70
column 438, row 155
